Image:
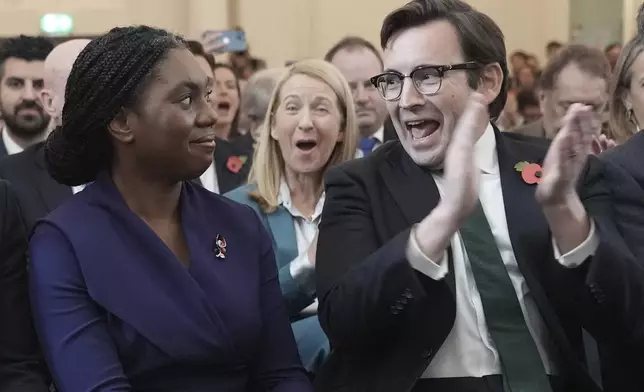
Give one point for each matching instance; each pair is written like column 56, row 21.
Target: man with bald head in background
column 37, row 192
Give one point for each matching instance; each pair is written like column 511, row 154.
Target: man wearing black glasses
column 461, row 259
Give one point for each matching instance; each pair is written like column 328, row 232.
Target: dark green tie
column 523, row 370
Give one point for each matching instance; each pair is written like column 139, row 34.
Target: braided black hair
column 108, row 75
column 25, row 47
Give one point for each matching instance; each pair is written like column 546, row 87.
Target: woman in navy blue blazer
column 145, row 281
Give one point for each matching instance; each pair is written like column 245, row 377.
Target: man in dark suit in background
column 21, row 71
column 576, row 74
column 358, row 60
column 21, row 367
column 437, row 269
column 38, row 193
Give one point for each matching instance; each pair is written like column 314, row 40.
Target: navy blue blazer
column 116, row 311
column 282, row 229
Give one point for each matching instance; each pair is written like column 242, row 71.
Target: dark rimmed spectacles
column 427, row 79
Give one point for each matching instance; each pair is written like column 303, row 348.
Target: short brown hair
column 349, row 43
column 196, row 48
column 590, row 60
column 481, row 38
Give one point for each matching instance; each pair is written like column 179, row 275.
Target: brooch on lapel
column 530, row 172
column 220, row 247
column 235, row 163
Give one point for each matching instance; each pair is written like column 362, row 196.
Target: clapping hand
column 602, row 143
column 461, row 174
column 579, row 136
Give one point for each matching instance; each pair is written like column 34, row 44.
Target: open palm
column 461, row 173
column 567, row 155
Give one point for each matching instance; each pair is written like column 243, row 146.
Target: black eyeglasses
column 427, row 79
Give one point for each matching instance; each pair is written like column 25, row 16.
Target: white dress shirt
column 209, row 178
column 9, row 144
column 302, row 270
column 468, row 350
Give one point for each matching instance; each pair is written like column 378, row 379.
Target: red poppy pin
column 235, row 163
column 530, row 172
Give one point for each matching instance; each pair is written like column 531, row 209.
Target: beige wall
column 307, row 28
column 630, row 12
column 281, row 30
column 189, row 17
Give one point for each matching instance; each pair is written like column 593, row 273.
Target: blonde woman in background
column 311, row 125
column 626, row 104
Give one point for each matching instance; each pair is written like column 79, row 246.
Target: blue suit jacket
column 116, row 311
column 282, row 229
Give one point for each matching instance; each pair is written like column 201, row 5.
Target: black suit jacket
column 626, row 162
column 38, row 193
column 364, row 278
column 227, row 178
column 21, row 368
column 3, row 149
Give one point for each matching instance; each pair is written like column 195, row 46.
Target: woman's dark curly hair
column 108, row 75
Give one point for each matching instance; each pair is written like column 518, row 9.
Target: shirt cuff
column 420, row 262
column 303, row 273
column 577, row 256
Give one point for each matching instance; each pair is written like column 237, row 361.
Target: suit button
column 427, row 353
column 408, row 294
column 394, row 310
column 400, row 306
column 403, row 301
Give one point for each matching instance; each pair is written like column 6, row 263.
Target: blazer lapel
column 158, row 271
column 280, row 223
column 529, row 232
column 413, row 189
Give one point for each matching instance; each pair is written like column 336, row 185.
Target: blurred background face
column 526, row 78
column 517, row 62
column 358, row 65
column 226, row 96
column 20, row 104
column 572, row 86
column 307, row 124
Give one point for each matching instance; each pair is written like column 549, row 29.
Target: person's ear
column 120, row 126
column 47, row 100
column 491, row 82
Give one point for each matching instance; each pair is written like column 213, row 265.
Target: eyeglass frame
column 440, row 69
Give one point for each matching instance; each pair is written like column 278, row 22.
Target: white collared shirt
column 9, row 143
column 468, row 350
column 209, row 178
column 305, row 230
